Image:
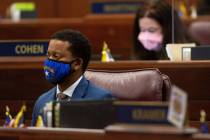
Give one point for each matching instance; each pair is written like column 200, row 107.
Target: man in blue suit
column 68, row 55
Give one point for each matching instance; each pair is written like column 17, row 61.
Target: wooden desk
column 201, row 136
column 143, row 133
column 50, row 134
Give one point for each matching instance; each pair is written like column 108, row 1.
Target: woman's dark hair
column 80, row 45
column 160, row 11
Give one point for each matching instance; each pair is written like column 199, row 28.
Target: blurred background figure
column 153, row 30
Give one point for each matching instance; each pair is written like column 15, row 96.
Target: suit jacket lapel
column 80, row 90
column 52, row 96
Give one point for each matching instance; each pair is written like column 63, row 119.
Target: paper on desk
column 174, row 51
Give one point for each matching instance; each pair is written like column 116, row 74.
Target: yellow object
column 8, row 113
column 106, row 54
column 183, row 8
column 25, row 6
column 39, row 122
column 8, row 118
column 19, row 117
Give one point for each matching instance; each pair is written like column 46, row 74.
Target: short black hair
column 80, row 45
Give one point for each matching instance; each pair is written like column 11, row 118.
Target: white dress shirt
column 70, row 90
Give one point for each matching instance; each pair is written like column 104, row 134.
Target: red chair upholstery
column 139, row 84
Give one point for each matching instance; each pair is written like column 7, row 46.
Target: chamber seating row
column 22, row 81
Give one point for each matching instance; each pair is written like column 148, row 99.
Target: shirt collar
column 69, row 91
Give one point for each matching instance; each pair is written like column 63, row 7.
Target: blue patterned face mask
column 56, row 71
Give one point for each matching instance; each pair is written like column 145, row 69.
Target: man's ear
column 77, row 64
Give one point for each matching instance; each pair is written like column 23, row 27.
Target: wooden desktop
column 142, row 132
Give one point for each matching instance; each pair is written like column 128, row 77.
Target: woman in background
column 153, row 30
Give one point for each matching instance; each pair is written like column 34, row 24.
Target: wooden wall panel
column 117, row 34
column 57, row 8
column 72, row 8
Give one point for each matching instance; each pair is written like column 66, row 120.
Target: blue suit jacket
column 85, row 90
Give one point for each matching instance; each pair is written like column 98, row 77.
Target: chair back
column 138, row 84
column 200, row 31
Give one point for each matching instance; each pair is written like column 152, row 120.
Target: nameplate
column 142, row 112
column 23, row 48
column 115, row 7
column 100, row 113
